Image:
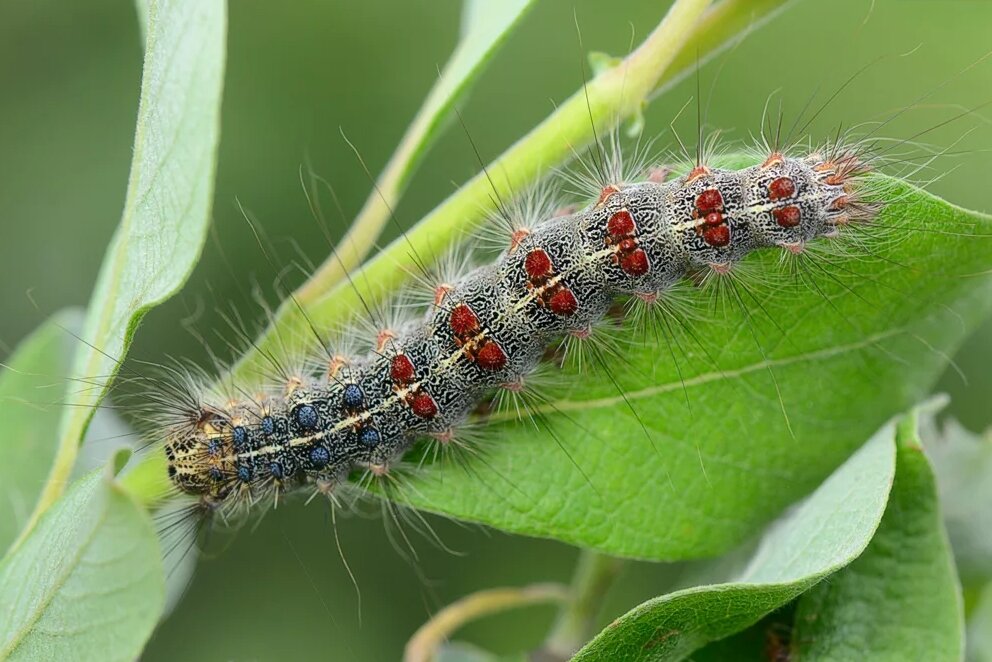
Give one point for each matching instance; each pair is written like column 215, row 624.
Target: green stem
column 424, row 644
column 576, row 622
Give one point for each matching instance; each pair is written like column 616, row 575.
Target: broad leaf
column 87, row 584
column 167, row 208
column 900, row 600
column 822, row 535
column 32, row 389
column 679, row 448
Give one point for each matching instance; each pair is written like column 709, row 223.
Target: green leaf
column 963, row 464
column 87, row 583
column 167, row 208
column 32, row 387
column 822, row 535
column 685, row 479
column 900, row 600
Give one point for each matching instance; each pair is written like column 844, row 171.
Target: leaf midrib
column 562, row 405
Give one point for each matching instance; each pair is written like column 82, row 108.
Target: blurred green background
column 69, row 77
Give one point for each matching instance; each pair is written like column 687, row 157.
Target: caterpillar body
column 489, row 328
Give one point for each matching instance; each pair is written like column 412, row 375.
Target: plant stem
column 576, row 622
column 423, row 645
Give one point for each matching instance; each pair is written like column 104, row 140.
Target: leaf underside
column 88, row 582
column 167, row 208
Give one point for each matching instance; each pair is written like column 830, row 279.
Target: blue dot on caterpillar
column 491, row 327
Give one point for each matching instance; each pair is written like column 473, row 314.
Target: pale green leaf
column 167, row 208
column 87, row 584
column 901, row 599
column 822, row 535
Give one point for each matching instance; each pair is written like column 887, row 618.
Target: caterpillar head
column 196, row 452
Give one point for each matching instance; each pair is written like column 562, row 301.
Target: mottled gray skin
column 311, row 433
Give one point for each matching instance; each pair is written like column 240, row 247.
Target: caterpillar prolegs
column 559, row 274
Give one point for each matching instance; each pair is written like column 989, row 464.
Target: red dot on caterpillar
column 440, row 292
column 537, row 264
column 514, row 386
column 606, row 194
column 581, row 334
column 787, row 217
column 780, row 188
column 490, row 356
column 717, row 235
column 709, row 200
column 563, row 302
column 635, row 263
column 444, row 436
column 621, row 224
column 464, row 322
column 628, row 245
column 423, row 405
column 383, row 338
column 698, row 172
column 840, row 203
column 518, row 235
column 401, row 369
column 713, row 218
column 795, row 247
column 720, row 268
column 774, row 159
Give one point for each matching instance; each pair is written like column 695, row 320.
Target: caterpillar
column 488, row 329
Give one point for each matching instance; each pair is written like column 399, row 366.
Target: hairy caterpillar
column 489, row 328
